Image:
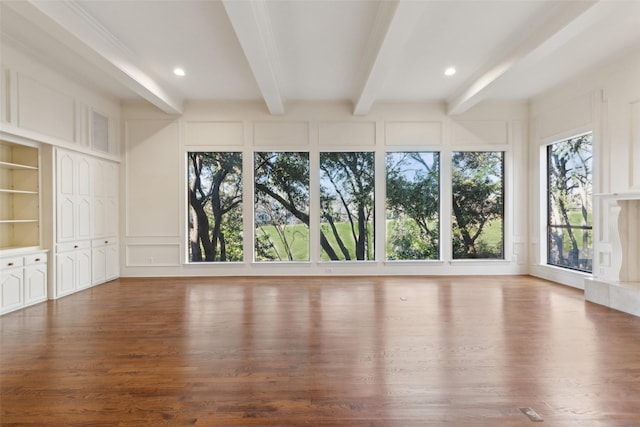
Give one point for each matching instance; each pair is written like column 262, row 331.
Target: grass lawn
column 296, row 234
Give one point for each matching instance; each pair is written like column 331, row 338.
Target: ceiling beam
column 394, row 24
column 69, row 23
column 566, row 21
column 251, row 23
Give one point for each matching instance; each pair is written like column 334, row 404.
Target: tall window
column 281, row 206
column 569, row 218
column 215, row 206
column 413, row 205
column 347, row 188
column 478, row 204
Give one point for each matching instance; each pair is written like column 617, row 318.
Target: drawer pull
column 9, row 264
column 37, row 259
column 106, row 242
column 75, row 246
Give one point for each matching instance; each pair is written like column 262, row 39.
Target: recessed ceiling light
column 179, row 72
column 450, row 71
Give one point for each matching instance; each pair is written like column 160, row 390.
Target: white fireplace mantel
column 617, row 282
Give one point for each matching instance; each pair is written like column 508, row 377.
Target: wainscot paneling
column 413, row 133
column 153, row 254
column 5, row 95
column 153, row 178
column 214, row 133
column 45, row 110
column 477, row 132
column 341, row 134
column 634, row 157
column 281, row 133
column 574, row 114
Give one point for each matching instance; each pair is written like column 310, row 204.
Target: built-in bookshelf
column 19, row 196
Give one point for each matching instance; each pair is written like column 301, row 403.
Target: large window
column 478, row 204
column 569, row 194
column 280, row 228
column 215, row 206
column 281, row 206
column 413, row 205
column 346, row 206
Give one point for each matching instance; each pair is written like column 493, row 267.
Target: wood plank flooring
column 379, row 351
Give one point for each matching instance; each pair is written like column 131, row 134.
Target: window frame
column 504, row 152
column 548, row 211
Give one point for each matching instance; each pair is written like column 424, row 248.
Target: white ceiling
column 364, row 51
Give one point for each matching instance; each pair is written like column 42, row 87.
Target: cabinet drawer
column 32, row 259
column 11, row 262
column 105, row 241
column 71, row 246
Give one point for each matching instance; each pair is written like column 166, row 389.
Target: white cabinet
column 23, row 280
column 104, row 259
column 35, row 278
column 87, row 222
column 73, row 268
column 73, row 198
column 11, row 281
column 105, row 198
column 23, row 265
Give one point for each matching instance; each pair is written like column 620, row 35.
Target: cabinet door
column 66, row 199
column 113, row 262
column 99, row 178
column 100, row 216
column 74, row 196
column 35, row 283
column 65, row 273
column 83, row 213
column 111, row 217
column 11, row 296
column 112, row 186
column 83, row 196
column 99, row 265
column 83, row 268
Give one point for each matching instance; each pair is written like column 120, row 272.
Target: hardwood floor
column 394, row 351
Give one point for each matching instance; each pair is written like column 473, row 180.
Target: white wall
column 155, row 177
column 42, row 105
column 605, row 100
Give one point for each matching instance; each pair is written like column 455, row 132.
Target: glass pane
column 572, row 250
column 346, row 206
column 413, row 205
column 281, row 206
column 570, row 189
column 478, row 209
column 215, row 206
column 570, row 193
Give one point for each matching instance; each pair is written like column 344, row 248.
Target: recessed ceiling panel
column 195, row 35
column 466, row 34
column 321, row 46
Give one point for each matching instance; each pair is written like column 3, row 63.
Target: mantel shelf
column 620, row 196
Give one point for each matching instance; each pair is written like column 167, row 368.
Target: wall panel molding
column 272, row 133
column 398, row 133
column 152, row 177
column 344, row 134
column 45, row 110
column 634, row 149
column 152, row 255
column 214, row 133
